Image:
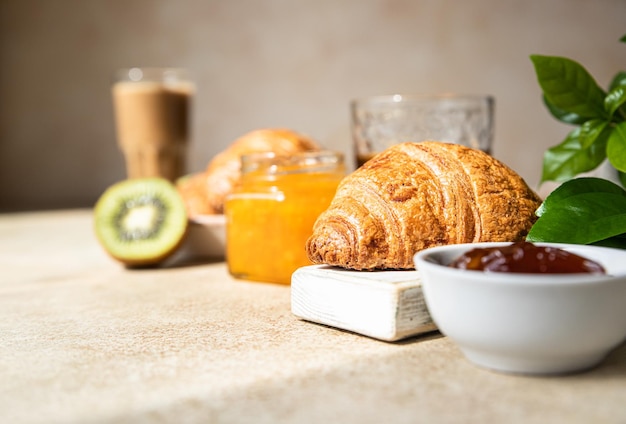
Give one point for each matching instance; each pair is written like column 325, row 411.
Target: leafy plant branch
column 583, row 210
column 573, row 96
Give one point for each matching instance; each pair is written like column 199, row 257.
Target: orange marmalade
column 271, row 213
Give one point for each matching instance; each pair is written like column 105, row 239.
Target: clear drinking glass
column 381, row 121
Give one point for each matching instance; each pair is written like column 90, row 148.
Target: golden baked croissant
column 417, row 195
column 193, row 190
column 204, row 193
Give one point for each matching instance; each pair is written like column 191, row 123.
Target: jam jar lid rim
column 321, row 160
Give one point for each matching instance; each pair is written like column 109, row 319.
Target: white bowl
column 528, row 323
column 206, row 237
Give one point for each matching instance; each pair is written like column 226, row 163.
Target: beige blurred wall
column 265, row 63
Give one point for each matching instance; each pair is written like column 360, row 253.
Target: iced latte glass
column 152, row 112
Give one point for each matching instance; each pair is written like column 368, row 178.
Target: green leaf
column 556, row 217
column 582, row 219
column 615, row 99
column 623, row 39
column 616, row 147
column 568, row 86
column 619, row 80
column 583, row 150
column 563, row 116
column 591, row 131
column 622, row 178
column 578, row 186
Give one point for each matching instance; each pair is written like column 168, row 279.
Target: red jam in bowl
column 525, row 257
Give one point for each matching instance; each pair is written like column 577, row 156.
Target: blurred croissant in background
column 204, row 193
column 417, row 195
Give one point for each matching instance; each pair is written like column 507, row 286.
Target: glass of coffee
column 381, row 121
column 152, row 112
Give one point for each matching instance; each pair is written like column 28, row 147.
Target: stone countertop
column 84, row 340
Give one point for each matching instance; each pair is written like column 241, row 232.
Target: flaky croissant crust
column 417, row 195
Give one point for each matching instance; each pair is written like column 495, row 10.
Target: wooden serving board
column 386, row 305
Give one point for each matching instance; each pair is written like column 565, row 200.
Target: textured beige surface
column 85, row 341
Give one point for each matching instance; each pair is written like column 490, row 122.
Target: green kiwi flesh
column 141, row 221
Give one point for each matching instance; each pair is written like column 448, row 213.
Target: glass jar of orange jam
column 270, row 214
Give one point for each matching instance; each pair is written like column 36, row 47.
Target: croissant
column 193, row 190
column 417, row 195
column 205, row 192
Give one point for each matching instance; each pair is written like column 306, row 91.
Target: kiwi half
column 141, row 222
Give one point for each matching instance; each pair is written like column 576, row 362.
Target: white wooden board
column 386, row 305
